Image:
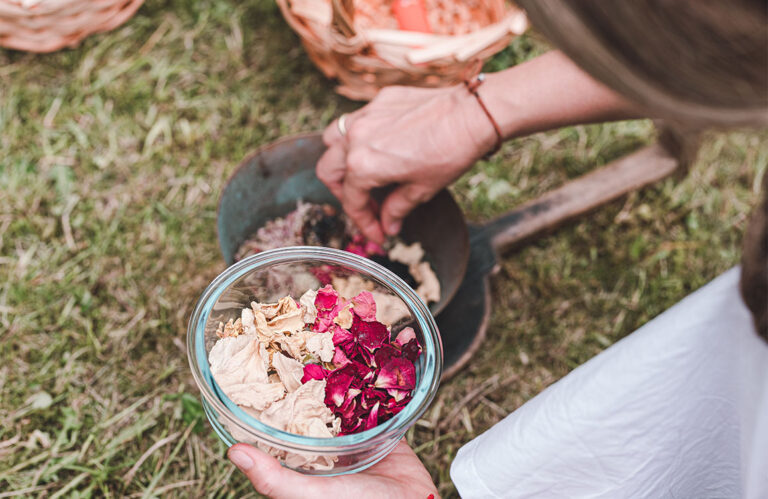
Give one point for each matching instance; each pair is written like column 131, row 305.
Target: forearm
column 550, row 92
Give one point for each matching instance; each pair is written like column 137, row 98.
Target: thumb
column 399, row 203
column 265, row 473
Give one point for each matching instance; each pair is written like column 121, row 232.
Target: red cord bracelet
column 472, row 88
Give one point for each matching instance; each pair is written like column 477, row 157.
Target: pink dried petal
column 342, row 336
column 372, row 248
column 322, row 324
column 340, row 359
column 336, row 386
column 322, row 274
column 369, row 334
column 396, row 373
column 364, row 306
column 313, row 371
column 404, row 336
column 326, row 298
column 357, row 249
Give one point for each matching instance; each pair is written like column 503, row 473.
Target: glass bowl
column 269, row 276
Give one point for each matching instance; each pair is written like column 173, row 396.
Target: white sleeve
column 679, row 408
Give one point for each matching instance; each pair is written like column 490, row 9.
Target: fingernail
column 394, row 227
column 241, row 459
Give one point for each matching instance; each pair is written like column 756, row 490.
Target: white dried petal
column 237, row 359
column 295, row 344
column 238, row 368
column 349, row 287
column 344, row 317
column 408, row 255
column 389, row 308
column 248, row 319
column 290, row 322
column 290, row 371
column 302, row 411
column 307, row 302
column 321, row 346
column 429, row 285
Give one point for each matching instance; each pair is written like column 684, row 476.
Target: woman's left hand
column 400, row 474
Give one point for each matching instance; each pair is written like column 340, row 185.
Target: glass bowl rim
column 424, row 391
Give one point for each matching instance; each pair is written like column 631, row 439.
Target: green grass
column 113, row 157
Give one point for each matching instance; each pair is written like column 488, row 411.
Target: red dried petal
column 412, row 350
column 336, row 387
column 373, row 417
column 385, row 353
column 398, row 395
column 396, row 373
column 313, row 371
column 369, row 334
column 364, row 306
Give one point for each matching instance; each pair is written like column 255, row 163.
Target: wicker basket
column 48, row 25
column 361, row 46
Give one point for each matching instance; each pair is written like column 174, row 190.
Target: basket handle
column 343, row 13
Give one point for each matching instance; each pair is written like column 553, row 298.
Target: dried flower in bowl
column 323, row 225
column 322, row 366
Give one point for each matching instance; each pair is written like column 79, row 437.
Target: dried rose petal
column 404, row 336
column 342, row 336
column 365, row 306
column 385, row 353
column 398, row 395
column 412, row 350
column 336, row 386
column 326, row 298
column 340, row 359
column 313, row 371
column 373, row 417
column 369, row 334
column 396, row 373
column 322, row 274
column 372, row 248
column 357, row 249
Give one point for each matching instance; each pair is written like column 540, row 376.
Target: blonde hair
column 703, row 61
column 693, row 63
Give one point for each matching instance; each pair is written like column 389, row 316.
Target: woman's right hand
column 417, row 140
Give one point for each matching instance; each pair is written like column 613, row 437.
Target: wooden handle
column 579, row 196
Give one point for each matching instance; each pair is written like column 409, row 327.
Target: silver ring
column 342, row 124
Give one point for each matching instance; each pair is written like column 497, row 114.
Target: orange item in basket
column 411, row 15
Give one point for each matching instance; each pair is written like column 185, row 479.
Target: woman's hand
column 400, row 474
column 420, row 140
column 417, row 140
